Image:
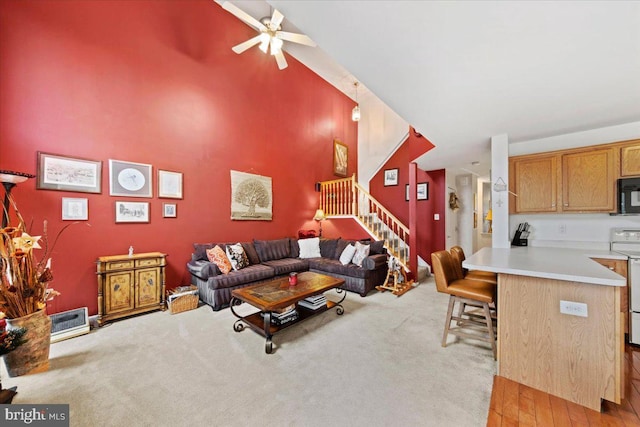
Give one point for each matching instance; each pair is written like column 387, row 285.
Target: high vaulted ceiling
column 463, row 71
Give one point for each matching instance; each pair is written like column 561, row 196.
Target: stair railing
column 346, row 198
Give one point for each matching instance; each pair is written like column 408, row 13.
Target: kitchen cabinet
column 534, row 179
column 619, row 266
column 630, row 159
column 129, row 285
column 588, row 181
column 566, row 181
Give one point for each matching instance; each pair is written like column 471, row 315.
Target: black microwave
column 629, row 196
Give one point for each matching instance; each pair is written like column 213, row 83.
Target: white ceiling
column 463, row 71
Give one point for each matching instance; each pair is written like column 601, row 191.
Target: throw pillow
column 309, row 248
column 347, row 254
column 237, row 256
column 217, row 256
column 362, row 251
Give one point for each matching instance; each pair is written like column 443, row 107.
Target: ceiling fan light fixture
column 264, row 42
column 276, row 45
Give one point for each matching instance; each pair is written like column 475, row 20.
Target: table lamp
column 489, row 218
column 319, row 216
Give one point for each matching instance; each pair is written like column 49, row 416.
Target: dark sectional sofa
column 279, row 257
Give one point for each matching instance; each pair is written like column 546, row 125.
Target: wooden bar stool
column 458, row 256
column 475, row 319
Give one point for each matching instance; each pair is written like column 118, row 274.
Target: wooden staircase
column 345, row 198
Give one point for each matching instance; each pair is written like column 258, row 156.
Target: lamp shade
column 319, row 216
column 355, row 114
column 489, row 216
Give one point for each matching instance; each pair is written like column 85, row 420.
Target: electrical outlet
column 573, row 308
column 436, row 217
column 563, row 229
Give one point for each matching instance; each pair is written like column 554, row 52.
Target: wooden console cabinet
column 130, row 285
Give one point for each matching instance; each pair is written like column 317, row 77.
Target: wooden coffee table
column 277, row 294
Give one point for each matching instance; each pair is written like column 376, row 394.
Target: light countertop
column 550, row 263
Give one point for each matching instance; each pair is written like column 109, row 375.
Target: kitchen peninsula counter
column 549, row 263
column 575, row 356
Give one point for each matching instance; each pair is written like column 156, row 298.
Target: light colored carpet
column 379, row 364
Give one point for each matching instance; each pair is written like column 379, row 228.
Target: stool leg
column 492, row 335
column 447, row 325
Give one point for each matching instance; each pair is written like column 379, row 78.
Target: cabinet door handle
column 566, row 204
column 553, row 205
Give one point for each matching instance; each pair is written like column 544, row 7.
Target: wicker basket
column 183, row 300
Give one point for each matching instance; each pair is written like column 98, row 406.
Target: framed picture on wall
column 391, row 177
column 423, row 191
column 132, row 212
column 169, row 210
column 129, row 179
column 169, row 184
column 68, row 173
column 340, row 158
column 75, row 209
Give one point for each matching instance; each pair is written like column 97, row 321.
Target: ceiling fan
column 271, row 37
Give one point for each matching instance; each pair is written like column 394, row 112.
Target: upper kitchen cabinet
column 588, row 181
column 534, row 179
column 630, row 158
column 579, row 180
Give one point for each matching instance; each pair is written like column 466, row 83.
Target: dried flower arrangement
column 24, row 279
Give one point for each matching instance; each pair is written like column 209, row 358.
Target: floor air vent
column 69, row 324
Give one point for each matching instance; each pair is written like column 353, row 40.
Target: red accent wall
column 156, row 82
column 431, row 233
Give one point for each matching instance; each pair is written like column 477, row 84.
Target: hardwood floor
column 514, row 404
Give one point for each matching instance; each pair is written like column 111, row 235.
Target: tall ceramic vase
column 33, row 355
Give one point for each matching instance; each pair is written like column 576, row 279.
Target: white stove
column 627, row 242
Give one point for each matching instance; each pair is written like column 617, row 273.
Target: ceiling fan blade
column 282, row 62
column 276, row 20
column 239, row 48
column 244, row 16
column 296, row 38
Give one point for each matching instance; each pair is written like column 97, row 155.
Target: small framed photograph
column 169, row 210
column 423, row 191
column 169, row 184
column 132, row 212
column 68, row 174
column 129, row 179
column 391, row 177
column 75, row 209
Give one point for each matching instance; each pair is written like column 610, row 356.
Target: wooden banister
column 346, row 198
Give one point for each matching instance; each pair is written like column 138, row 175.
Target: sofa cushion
column 295, row 249
column 333, row 266
column 237, row 256
column 288, row 265
column 218, row 256
column 200, row 251
column 269, row 250
column 246, row 275
column 250, row 250
column 376, row 247
column 309, row 248
column 347, row 254
column 328, row 247
column 340, row 245
column 362, row 251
